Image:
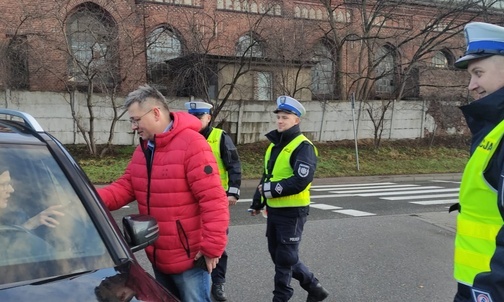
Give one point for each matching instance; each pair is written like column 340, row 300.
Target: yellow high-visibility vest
column 214, row 139
column 281, row 170
column 479, row 220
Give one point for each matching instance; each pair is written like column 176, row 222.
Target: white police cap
column 289, row 105
column 483, row 40
column 197, row 107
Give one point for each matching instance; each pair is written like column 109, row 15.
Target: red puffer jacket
column 184, row 193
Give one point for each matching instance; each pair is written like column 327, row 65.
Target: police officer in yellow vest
column 229, row 165
column 479, row 241
column 289, row 166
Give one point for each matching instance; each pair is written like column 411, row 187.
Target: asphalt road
column 361, row 247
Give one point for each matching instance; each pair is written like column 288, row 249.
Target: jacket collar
column 489, row 109
column 206, row 132
column 181, row 121
column 283, row 137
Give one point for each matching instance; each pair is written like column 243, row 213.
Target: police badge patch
column 481, row 296
column 303, row 170
column 279, row 189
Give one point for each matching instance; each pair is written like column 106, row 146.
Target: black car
column 58, row 242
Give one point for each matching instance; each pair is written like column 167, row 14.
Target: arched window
column 253, row 7
column 323, row 71
column 304, row 12
column 277, row 10
column 92, row 36
column 442, row 59
column 17, row 63
column 311, row 13
column 297, row 12
column 249, row 46
column 162, row 45
column 385, row 59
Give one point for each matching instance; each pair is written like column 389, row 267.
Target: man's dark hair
column 143, row 94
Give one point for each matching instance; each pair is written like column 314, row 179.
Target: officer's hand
column 232, row 200
column 254, row 212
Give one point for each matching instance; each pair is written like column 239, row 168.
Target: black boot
column 218, row 292
column 318, row 293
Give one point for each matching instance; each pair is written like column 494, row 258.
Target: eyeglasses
column 135, row 121
column 5, row 185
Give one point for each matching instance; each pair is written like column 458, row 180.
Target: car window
column 45, row 230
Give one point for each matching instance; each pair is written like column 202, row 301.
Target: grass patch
column 335, row 159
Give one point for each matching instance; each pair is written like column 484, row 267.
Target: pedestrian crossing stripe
column 409, row 192
column 420, row 196
column 434, row 202
column 322, row 206
column 412, row 193
column 394, row 189
column 354, row 213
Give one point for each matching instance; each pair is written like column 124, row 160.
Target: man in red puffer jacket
column 173, row 175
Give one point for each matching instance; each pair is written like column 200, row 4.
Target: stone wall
column 249, row 121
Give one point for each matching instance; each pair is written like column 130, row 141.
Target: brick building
column 253, row 49
column 237, row 51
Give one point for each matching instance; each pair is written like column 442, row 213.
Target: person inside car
column 47, row 217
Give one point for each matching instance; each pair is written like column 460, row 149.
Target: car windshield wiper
column 61, row 277
column 43, row 280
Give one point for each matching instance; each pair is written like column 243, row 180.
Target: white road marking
column 433, row 202
column 390, row 189
column 354, row 213
column 420, row 196
column 409, row 192
column 311, row 197
column 447, row 181
column 322, row 188
column 322, row 206
column 413, row 193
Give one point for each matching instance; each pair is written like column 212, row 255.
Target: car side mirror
column 140, row 231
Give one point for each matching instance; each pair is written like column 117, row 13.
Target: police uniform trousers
column 284, row 231
column 219, row 272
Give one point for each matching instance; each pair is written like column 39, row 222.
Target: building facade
column 238, row 50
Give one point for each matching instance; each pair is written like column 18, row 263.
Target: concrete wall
column 246, row 121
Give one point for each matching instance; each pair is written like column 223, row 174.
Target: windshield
column 45, row 230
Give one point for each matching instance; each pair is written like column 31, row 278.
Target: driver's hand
column 47, row 217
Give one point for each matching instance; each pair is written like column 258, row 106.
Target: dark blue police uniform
column 285, row 224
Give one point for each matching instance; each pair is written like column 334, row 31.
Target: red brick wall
column 284, row 34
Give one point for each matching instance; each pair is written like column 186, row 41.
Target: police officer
column 479, row 248
column 289, row 166
column 229, row 165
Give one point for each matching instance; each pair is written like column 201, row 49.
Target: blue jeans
column 192, row 285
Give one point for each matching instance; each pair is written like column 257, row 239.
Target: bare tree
column 84, row 39
column 390, row 47
column 212, row 67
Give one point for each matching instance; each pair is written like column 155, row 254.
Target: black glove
column 257, row 204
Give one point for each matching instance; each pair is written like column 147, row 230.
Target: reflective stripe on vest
column 281, row 170
column 214, row 139
column 479, row 220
